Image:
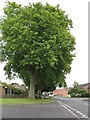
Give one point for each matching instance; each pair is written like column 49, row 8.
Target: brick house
column 85, row 87
column 60, row 91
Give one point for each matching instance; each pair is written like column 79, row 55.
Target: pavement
column 61, row 108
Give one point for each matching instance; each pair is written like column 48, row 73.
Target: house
column 21, row 87
column 85, row 86
column 12, row 90
column 60, row 91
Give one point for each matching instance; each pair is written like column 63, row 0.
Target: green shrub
column 84, row 93
column 73, row 95
column 17, row 91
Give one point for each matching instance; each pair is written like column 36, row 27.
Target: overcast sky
column 78, row 12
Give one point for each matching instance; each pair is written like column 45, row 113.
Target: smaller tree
column 76, row 91
column 75, row 84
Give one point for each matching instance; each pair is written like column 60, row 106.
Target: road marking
column 67, row 109
column 77, row 111
column 70, row 109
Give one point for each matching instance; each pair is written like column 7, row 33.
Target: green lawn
column 24, row 101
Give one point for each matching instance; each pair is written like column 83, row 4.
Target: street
column 61, row 108
column 79, row 107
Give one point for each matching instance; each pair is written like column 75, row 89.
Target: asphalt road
column 61, row 108
column 79, row 107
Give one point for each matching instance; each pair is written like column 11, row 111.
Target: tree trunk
column 32, row 86
column 39, row 92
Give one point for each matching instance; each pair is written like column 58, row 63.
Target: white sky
column 78, row 12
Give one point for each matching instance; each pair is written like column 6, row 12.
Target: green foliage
column 76, row 91
column 62, row 83
column 84, row 93
column 6, row 85
column 37, row 41
column 75, row 84
column 17, row 91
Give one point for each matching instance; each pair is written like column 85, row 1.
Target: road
column 61, row 108
column 79, row 107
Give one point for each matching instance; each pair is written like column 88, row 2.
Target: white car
column 50, row 94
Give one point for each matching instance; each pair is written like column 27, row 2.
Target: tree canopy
column 38, row 45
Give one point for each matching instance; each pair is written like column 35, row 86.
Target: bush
column 77, row 92
column 84, row 93
column 17, row 91
column 73, row 95
column 88, row 95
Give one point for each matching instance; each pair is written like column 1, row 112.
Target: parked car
column 50, row 94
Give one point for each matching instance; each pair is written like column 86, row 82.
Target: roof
column 56, row 90
column 21, row 87
column 84, row 85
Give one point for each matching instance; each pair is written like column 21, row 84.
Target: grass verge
column 8, row 101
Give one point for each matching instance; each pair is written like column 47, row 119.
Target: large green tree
column 38, row 45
